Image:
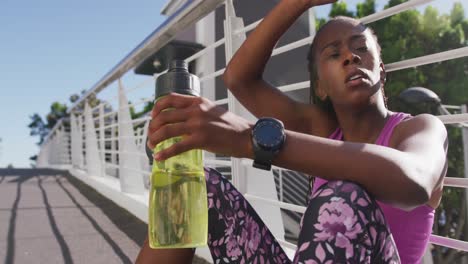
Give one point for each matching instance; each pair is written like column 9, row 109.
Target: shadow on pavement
column 134, row 228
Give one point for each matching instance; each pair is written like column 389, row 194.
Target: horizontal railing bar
column 393, row 10
column 456, row 107
column 293, row 45
column 107, row 114
column 139, row 120
column 109, row 126
column 111, row 165
column 428, row 59
column 123, row 152
column 96, row 108
column 448, row 242
column 288, row 206
column 218, row 162
column 212, row 75
column 141, row 85
column 294, row 86
column 221, row 101
column 456, row 182
column 248, row 27
column 453, row 119
column 117, row 138
column 205, row 50
column 142, row 101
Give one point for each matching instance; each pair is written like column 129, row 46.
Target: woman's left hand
column 203, row 125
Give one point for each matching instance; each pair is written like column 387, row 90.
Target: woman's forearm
column 386, row 173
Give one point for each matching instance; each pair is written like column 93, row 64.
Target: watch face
column 268, row 134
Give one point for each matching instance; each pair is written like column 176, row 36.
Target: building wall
column 282, row 69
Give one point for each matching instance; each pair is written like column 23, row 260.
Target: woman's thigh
column 343, row 224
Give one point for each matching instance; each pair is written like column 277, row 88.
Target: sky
column 51, row 49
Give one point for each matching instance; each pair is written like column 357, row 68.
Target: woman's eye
column 363, row 49
column 335, row 55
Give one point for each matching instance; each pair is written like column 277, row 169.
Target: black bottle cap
column 177, row 80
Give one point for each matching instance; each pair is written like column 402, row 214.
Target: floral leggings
column 341, row 224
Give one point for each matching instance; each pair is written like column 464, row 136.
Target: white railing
column 107, row 149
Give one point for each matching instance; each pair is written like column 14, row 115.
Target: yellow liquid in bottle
column 178, row 211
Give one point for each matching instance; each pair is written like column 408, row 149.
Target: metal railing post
column 81, row 150
column 233, row 42
column 102, row 142
column 93, row 162
column 464, row 129
column 129, row 162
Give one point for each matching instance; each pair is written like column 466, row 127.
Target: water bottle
column 178, row 211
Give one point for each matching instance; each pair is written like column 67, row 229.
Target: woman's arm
column 243, row 75
column 405, row 176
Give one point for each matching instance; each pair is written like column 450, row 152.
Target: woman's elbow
column 421, row 195
column 416, row 195
column 235, row 79
column 229, row 79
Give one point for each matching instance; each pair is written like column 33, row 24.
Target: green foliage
column 394, row 3
column 147, row 108
column 340, row 9
column 57, row 112
column 41, row 127
column 38, row 127
column 365, row 9
column 457, row 15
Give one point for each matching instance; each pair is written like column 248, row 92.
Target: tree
column 340, row 9
column 38, row 127
column 41, row 127
column 365, row 9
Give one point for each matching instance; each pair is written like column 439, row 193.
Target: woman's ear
column 383, row 73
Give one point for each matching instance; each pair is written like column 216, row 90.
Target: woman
column 380, row 172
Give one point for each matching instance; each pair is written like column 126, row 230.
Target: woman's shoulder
column 417, row 125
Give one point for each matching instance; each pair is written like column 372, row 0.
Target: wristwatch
column 268, row 138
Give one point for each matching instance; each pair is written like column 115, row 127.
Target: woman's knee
column 344, row 216
column 347, row 190
column 343, row 198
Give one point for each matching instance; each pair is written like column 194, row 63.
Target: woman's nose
column 352, row 58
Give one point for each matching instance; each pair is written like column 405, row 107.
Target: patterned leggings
column 341, row 224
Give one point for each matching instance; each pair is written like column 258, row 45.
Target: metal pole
column 465, row 159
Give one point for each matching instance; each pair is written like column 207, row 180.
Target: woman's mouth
column 356, row 78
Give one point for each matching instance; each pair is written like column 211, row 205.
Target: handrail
column 185, row 16
column 52, row 131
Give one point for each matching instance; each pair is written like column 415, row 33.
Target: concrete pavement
column 47, row 216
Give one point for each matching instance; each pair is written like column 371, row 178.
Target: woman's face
column 349, row 68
